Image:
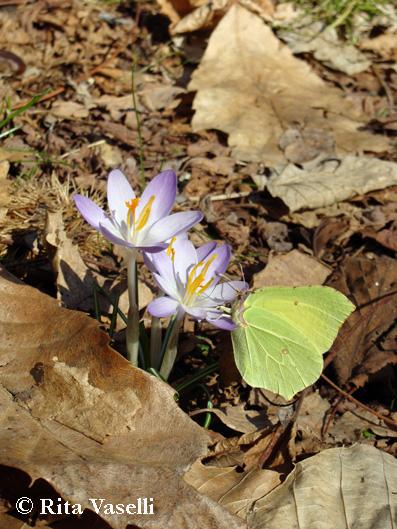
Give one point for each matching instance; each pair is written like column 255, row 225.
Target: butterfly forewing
column 283, row 333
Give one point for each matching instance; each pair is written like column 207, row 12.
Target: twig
column 386, row 420
column 89, row 146
column 385, row 86
column 225, row 196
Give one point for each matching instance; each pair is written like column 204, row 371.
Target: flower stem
column 170, row 345
column 155, row 342
column 133, row 311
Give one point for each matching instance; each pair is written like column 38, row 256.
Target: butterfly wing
column 284, row 333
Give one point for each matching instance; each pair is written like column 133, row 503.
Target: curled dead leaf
column 79, row 416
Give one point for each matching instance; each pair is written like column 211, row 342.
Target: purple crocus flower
column 190, row 279
column 138, row 223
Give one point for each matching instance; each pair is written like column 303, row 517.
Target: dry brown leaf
column 17, row 154
column 248, row 85
column 292, row 269
column 301, row 146
column 160, row 96
column 242, row 420
column 116, row 105
column 308, row 425
column 350, row 426
column 386, row 237
column 326, row 45
column 275, row 235
column 358, row 350
column 385, row 45
column 340, row 487
column 79, row 416
column 236, row 491
column 313, row 218
column 208, row 12
column 223, row 165
column 380, row 224
column 76, row 282
column 121, row 132
column 69, row 110
column 330, row 234
column 111, row 156
column 331, row 181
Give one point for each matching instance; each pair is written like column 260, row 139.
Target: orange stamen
column 144, row 216
column 170, row 250
column 194, row 285
column 132, row 205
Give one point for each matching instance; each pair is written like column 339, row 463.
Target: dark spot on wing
column 296, row 302
column 284, row 351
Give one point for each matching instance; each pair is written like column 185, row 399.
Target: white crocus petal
column 205, row 302
column 111, row 233
column 162, row 307
column 162, row 264
column 185, row 259
column 167, row 286
column 119, row 192
column 196, row 312
column 174, row 224
column 228, row 291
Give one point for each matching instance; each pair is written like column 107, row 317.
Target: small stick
column 225, row 196
column 386, row 420
column 385, row 86
column 89, row 146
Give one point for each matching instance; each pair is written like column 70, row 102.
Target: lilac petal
column 227, row 292
column 218, row 265
column 92, row 213
column 167, row 286
column 110, row 232
column 172, row 225
column 205, row 249
column 159, row 247
column 220, row 320
column 163, row 187
column 196, row 312
column 119, row 192
column 224, row 254
column 162, row 307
